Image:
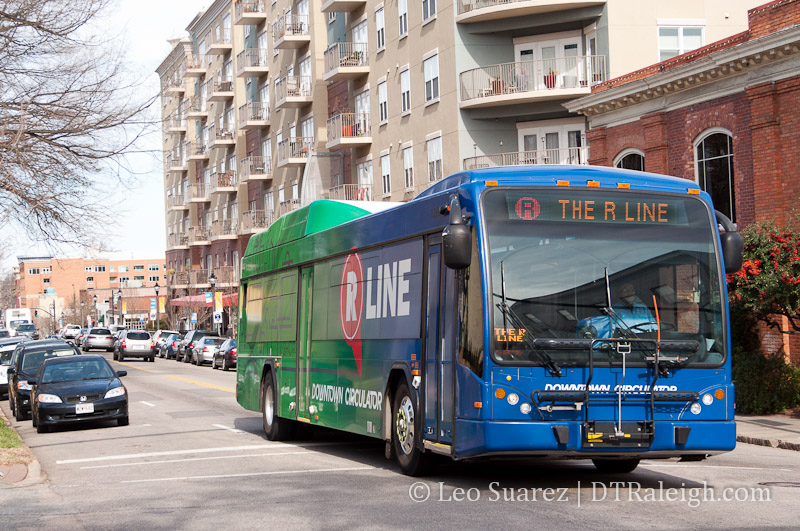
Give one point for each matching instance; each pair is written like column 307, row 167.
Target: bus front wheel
column 413, row 461
column 616, row 466
column 276, row 428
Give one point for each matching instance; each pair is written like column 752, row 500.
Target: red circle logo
column 527, row 208
column 351, row 300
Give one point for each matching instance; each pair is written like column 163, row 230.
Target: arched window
column 630, row 159
column 714, row 160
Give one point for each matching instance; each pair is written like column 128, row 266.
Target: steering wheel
column 640, row 327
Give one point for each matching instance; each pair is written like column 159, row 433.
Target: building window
column 46, row 269
column 714, row 158
column 431, row 66
column 99, row 269
column 408, row 167
column 112, row 279
column 381, row 29
column 434, row 147
column 33, row 271
column 364, row 170
column 630, row 159
column 428, row 9
column 405, row 90
column 153, row 278
column 675, row 40
column 331, row 17
column 138, row 277
column 138, row 268
column 123, row 269
column 386, row 179
column 152, row 267
column 383, row 104
column 124, row 279
column 46, row 281
column 90, row 280
column 87, row 269
column 402, row 17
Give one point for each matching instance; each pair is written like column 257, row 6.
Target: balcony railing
column 346, row 54
column 223, row 228
column 558, row 73
column 174, row 84
column 176, row 201
column 255, row 220
column 196, row 65
column 348, row 125
column 295, row 147
column 224, row 181
column 351, row 192
column 289, row 25
column 199, row 235
column 221, row 135
column 198, row 151
column 227, row 274
column 180, row 278
column 293, row 87
column 219, row 39
column 256, row 168
column 197, row 108
column 178, row 240
column 288, row 206
column 570, row 155
column 252, row 114
column 249, row 11
column 199, row 277
column 221, row 90
column 198, row 192
column 255, row 60
column 176, row 122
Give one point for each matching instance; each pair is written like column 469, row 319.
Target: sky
column 145, row 26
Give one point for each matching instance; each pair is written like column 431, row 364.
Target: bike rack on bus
column 619, row 434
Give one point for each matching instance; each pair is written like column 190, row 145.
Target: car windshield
column 559, row 257
column 16, row 324
column 5, row 356
column 26, row 327
column 138, row 335
column 33, row 359
column 101, row 331
column 76, row 370
column 214, row 340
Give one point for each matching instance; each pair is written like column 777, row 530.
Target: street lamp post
column 212, row 279
column 54, row 317
column 119, row 304
column 94, row 300
column 157, row 288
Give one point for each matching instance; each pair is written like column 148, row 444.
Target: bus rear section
column 607, row 328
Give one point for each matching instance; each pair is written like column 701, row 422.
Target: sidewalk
column 777, row 431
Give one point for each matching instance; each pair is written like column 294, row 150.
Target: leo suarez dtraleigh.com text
column 591, row 492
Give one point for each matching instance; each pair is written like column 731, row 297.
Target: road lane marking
column 181, row 379
column 199, row 451
column 147, row 403
column 692, row 465
column 253, row 474
column 234, row 430
column 165, row 461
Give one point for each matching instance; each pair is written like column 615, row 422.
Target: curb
column 771, row 443
column 35, row 473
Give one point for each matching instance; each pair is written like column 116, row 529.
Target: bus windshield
column 572, row 267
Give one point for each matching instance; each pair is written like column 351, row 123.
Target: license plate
column 84, row 408
column 139, row 347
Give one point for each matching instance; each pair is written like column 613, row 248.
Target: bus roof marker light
column 693, row 191
column 593, row 184
column 562, row 183
column 624, row 186
column 491, row 183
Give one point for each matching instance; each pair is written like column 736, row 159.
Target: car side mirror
column 10, row 372
column 33, row 381
column 732, row 244
column 456, row 238
column 120, row 374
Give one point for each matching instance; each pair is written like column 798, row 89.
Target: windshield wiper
column 609, row 310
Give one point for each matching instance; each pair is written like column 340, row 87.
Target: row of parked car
column 197, row 346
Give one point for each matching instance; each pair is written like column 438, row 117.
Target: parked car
column 133, row 344
column 4, row 332
column 7, row 346
column 98, row 338
column 25, row 363
column 187, row 344
column 77, row 389
column 28, row 330
column 225, row 355
column 158, row 339
column 81, row 335
column 170, row 346
column 203, row 350
column 70, row 332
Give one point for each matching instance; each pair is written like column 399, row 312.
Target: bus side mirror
column 732, row 244
column 456, row 239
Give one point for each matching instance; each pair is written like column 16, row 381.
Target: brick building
column 723, row 115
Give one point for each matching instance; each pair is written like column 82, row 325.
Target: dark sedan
column 25, row 363
column 225, row 355
column 28, row 330
column 78, row 389
column 169, row 347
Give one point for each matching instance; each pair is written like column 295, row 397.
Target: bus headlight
column 707, row 399
column 525, row 408
column 513, row 398
column 695, row 409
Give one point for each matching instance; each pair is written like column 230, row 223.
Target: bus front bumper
column 566, row 439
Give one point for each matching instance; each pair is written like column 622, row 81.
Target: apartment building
column 271, row 103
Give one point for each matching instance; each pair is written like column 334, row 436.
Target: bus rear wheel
column 413, row 461
column 276, row 428
column 616, row 466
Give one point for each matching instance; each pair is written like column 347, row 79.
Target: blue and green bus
column 539, row 311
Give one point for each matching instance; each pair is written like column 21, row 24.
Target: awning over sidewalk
column 228, row 300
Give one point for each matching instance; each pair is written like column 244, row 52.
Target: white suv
column 134, row 344
column 70, row 332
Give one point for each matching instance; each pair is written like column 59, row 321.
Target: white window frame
column 732, row 188
column 430, row 66
column 383, row 102
column 680, row 25
column 405, row 90
column 428, row 11
column 408, row 166
column 386, row 174
column 433, row 147
column 380, row 28
column 402, row 19
column 631, row 151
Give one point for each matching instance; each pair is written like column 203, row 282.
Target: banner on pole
column 218, row 302
column 162, row 305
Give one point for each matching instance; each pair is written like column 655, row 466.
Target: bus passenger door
column 304, row 344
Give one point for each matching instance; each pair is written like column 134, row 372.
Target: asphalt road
column 191, row 458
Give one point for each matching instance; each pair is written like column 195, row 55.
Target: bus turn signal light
column 491, row 183
column 478, row 405
column 719, row 394
column 500, row 393
column 694, row 191
column 562, row 183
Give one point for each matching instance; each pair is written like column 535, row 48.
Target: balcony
column 174, row 86
column 342, row 6
column 198, row 151
column 256, row 169
column 349, row 130
column 180, row 279
column 254, row 115
column 290, row 31
column 198, row 193
column 176, row 123
column 287, row 206
column 196, row 66
column 198, row 110
column 293, row 91
column 252, row 62
column 250, row 12
column 224, row 182
column 224, row 229
column 176, row 202
column 569, row 156
column 294, row 151
column 178, row 241
column 221, row 91
column 254, row 221
column 346, row 60
column 227, row 276
column 198, row 278
column 199, row 235
column 560, row 78
column 219, row 41
column 470, row 11
column 177, row 163
column 350, row 192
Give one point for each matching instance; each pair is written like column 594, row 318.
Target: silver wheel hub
column 405, row 425
column 268, row 406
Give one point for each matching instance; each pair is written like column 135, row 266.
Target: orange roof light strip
column 694, row 191
column 625, row 186
column 562, row 183
column 593, row 184
column 491, row 183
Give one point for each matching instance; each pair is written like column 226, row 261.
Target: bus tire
column 276, row 428
column 406, row 424
column 616, row 466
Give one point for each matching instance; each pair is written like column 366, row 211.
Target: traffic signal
column 36, row 313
